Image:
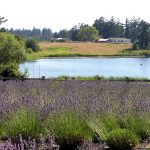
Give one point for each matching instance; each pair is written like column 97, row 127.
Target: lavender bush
column 23, row 121
column 69, row 130
column 47, row 143
column 102, row 106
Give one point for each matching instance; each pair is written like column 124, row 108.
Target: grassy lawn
column 49, row 49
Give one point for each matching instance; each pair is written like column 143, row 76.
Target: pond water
column 116, row 67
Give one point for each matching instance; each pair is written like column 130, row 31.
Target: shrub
column 137, row 124
column 69, row 130
column 103, row 125
column 108, row 129
column 97, row 77
column 29, row 50
column 32, row 44
column 23, row 122
column 1, row 128
column 12, row 48
column 11, row 70
column 122, row 139
column 145, row 53
column 135, row 46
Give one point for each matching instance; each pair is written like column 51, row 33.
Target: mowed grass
column 49, row 49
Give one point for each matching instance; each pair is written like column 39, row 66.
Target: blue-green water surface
column 116, row 67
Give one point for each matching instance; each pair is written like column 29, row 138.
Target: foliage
column 135, row 52
column 11, row 70
column 32, row 44
column 35, row 33
column 97, row 77
column 63, row 34
column 137, row 124
column 29, row 50
column 11, row 48
column 103, row 124
column 12, row 52
column 135, row 46
column 88, row 33
column 122, row 139
column 55, row 35
column 74, row 33
column 46, row 34
column 23, row 122
column 138, row 31
column 132, row 29
column 2, row 20
column 144, row 35
column 135, row 29
column 116, row 111
column 69, row 129
column 108, row 128
column 3, row 30
column 109, row 28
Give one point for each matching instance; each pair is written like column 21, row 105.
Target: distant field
column 81, row 49
column 89, row 48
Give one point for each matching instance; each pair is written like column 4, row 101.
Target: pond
column 116, row 67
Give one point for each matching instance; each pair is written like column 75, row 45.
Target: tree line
column 35, row 33
column 47, row 34
column 13, row 50
column 135, row 29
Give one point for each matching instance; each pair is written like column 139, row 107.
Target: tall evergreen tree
column 99, row 24
column 109, row 28
column 55, row 35
column 74, row 33
column 47, row 33
column 36, row 33
column 126, row 29
column 133, row 27
column 63, row 34
column 144, row 36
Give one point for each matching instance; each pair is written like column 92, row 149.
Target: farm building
column 114, row 40
column 119, row 40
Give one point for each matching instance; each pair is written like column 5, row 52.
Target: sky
column 64, row 14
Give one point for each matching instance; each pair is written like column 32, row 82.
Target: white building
column 114, row 40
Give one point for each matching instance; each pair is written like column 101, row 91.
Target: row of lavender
column 73, row 111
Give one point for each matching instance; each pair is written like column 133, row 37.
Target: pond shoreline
column 83, row 57
column 81, row 78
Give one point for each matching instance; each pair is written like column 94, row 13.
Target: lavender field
column 115, row 112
